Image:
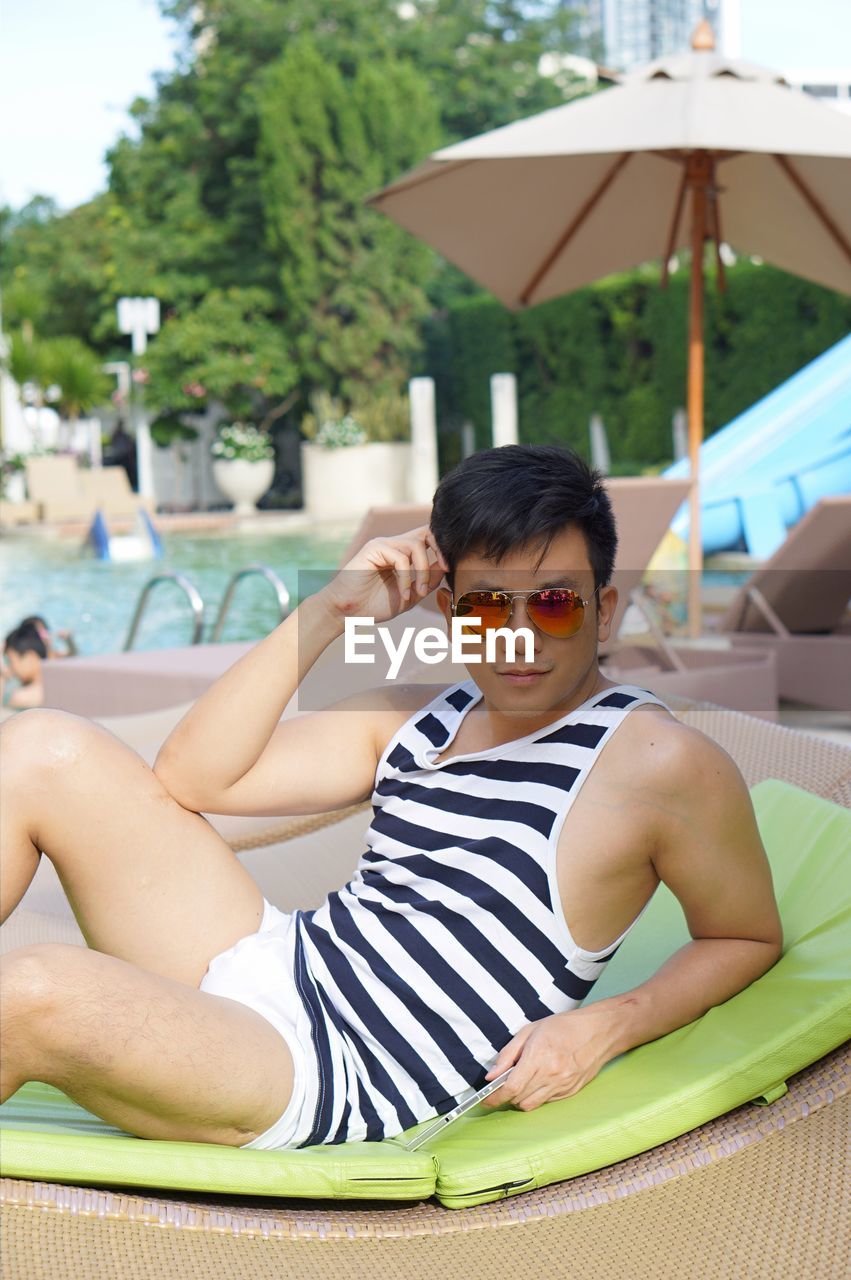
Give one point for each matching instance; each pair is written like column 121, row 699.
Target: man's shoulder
column 676, row 759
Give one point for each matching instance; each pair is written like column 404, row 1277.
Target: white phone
column 470, row 1100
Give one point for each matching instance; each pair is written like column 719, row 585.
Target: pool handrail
column 271, row 577
column 192, row 594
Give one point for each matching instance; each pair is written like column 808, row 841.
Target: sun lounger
column 15, row 513
column 795, row 606
column 53, row 484
column 108, row 490
column 757, row 1192
column 64, row 491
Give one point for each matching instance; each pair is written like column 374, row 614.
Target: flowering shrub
column 242, row 440
column 378, row 417
column 340, row 433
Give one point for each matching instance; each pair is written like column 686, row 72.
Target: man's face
column 561, row 668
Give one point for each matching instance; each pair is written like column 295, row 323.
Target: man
column 521, row 823
column 23, row 651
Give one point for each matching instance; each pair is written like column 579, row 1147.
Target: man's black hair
column 34, row 620
column 517, row 495
column 25, row 639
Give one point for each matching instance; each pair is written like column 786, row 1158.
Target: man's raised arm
column 229, row 754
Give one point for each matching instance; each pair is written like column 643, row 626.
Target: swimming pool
column 96, row 598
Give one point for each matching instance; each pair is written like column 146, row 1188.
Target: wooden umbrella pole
column 698, row 173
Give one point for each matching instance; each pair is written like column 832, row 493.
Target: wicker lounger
column 758, row 1192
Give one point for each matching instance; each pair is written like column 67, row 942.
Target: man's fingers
column 512, row 1089
column 439, row 556
column 385, row 555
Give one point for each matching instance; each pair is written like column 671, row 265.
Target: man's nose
column 520, row 619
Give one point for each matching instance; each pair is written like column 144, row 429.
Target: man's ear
column 607, row 599
column 444, row 602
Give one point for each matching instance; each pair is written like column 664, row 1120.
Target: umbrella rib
column 715, row 217
column 672, row 234
column 577, row 222
column 822, row 214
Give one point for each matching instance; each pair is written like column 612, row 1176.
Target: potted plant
column 13, row 485
column 355, row 459
column 243, row 464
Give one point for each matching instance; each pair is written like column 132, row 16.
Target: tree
column 225, row 350
column 200, row 201
column 73, row 368
column 351, row 280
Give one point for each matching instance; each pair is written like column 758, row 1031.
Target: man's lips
column 523, row 673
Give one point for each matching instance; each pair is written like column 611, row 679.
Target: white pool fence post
column 95, row 428
column 504, row 409
column 140, row 317
column 423, row 476
column 600, row 457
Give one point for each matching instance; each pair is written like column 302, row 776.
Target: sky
column 70, row 68
column 68, row 71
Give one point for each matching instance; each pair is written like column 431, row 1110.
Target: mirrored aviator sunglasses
column 555, row 611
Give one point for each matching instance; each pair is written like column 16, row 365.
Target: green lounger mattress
column 740, row 1051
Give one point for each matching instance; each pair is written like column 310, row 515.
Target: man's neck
column 498, row 728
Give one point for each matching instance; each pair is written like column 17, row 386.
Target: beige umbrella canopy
column 688, row 148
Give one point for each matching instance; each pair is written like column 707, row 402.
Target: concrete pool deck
column 189, row 522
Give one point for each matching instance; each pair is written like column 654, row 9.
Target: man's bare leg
column 151, row 885
column 148, row 881
column 153, row 1056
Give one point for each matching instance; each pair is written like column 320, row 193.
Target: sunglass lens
column 493, row 607
column 557, row 613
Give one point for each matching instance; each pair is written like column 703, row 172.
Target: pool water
column 96, row 599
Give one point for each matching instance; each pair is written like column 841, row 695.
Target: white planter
column 243, row 482
column 16, row 487
column 339, row 484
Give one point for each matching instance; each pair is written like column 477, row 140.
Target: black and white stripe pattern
column 450, row 937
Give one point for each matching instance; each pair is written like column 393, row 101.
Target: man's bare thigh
column 149, row 882
column 145, row 1053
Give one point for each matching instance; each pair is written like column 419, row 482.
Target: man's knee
column 34, row 992
column 44, row 740
column 35, row 979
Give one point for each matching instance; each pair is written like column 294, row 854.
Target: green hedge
column 619, row 349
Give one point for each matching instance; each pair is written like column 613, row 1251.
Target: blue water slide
column 766, row 468
column 144, row 544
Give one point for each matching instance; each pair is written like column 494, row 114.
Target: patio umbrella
column 689, row 148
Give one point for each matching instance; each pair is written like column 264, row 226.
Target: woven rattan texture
column 294, row 827
column 763, row 750
column 820, row 1085
column 777, row 1211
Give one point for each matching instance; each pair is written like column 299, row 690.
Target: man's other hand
column 555, row 1057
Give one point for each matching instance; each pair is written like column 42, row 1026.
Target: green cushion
column 740, row 1050
column 45, row 1136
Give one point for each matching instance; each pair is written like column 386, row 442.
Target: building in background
column 622, row 34
column 637, row 31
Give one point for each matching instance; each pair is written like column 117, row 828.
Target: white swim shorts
column 258, row 971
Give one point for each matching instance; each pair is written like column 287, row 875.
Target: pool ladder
column 196, row 601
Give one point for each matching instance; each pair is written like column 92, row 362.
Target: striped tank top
column 451, row 936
